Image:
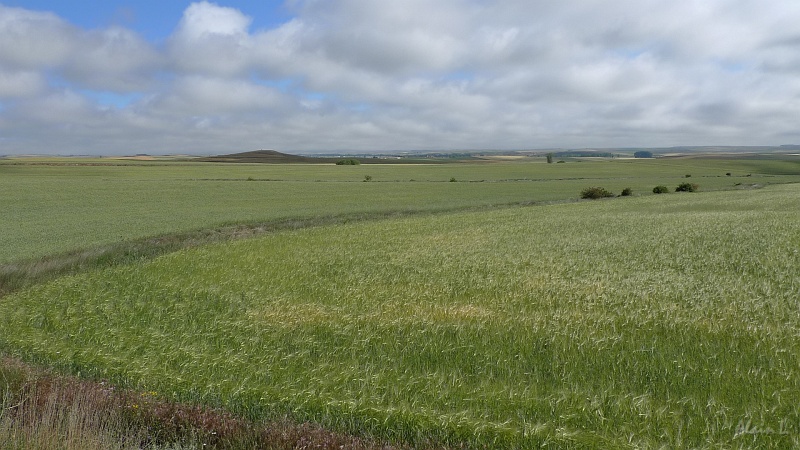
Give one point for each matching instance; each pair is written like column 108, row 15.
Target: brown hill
column 266, row 157
column 273, row 157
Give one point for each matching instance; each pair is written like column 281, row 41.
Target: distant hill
column 267, row 157
column 274, row 157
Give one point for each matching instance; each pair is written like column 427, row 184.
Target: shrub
column 686, row 187
column 595, row 193
column 453, row 179
column 626, row 192
column 348, row 162
column 660, row 189
column 688, row 175
column 728, row 174
column 367, row 177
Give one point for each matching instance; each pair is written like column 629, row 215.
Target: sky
column 119, row 77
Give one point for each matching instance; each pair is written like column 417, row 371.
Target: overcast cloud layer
column 366, row 75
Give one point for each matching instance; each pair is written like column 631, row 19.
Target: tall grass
column 40, row 410
column 38, row 413
column 650, row 322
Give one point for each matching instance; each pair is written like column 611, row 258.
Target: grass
column 43, row 410
column 663, row 321
column 68, row 205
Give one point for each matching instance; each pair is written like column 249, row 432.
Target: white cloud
column 212, row 39
column 34, row 40
column 113, row 59
column 16, row 84
column 204, row 19
column 361, row 74
column 202, row 95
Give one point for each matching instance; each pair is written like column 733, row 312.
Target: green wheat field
column 495, row 311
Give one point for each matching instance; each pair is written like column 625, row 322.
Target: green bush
column 348, row 162
column 367, row 177
column 626, row 192
column 687, row 187
column 660, row 189
column 595, row 193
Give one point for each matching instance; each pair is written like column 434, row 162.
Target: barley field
column 667, row 321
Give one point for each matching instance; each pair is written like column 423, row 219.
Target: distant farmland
column 476, row 305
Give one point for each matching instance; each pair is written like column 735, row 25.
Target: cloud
column 203, row 95
column 112, row 59
column 34, row 40
column 212, row 39
column 20, row 84
column 365, row 75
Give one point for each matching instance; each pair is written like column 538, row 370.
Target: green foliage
column 367, row 177
column 687, row 187
column 549, row 157
column 643, row 154
column 595, row 193
column 348, row 162
column 626, row 192
column 464, row 329
column 660, row 189
column 452, row 179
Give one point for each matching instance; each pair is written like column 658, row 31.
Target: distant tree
column 660, row 189
column 626, row 192
column 687, row 187
column 348, row 162
column 643, row 154
column 595, row 193
column 550, row 158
